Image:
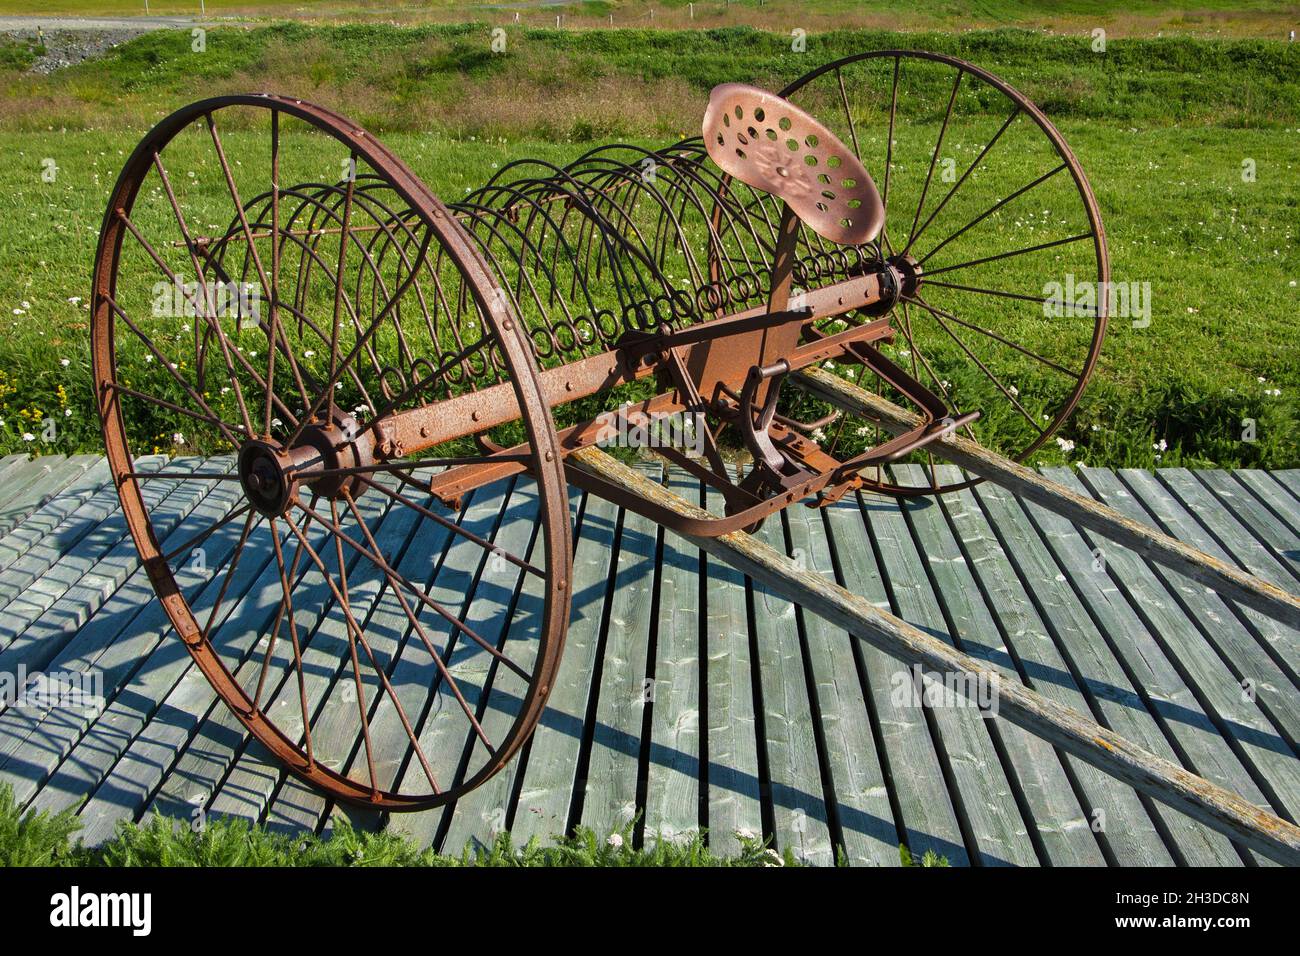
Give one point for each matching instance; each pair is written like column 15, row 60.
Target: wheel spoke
column 183, row 475
column 247, row 230
column 286, row 575
column 179, row 409
column 273, row 332
column 1005, row 341
column 934, row 158
column 353, row 631
column 287, row 602
column 1020, row 297
column 994, row 208
column 455, row 622
column 252, row 519
column 930, row 273
column 983, row 368
column 206, row 533
column 450, row 525
column 327, row 391
column 211, row 417
column 969, row 169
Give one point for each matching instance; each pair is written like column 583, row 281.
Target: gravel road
column 70, row 40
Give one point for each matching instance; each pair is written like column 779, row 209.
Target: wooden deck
column 690, row 698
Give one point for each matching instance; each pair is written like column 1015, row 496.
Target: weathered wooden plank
column 859, row 793
column 1269, row 489
column 1254, row 674
column 1236, row 645
column 1059, row 823
column 928, row 819
column 36, row 625
column 480, row 815
column 1130, row 837
column 985, row 802
column 32, row 550
column 1095, row 650
column 609, row 789
column 551, row 759
column 1245, row 497
column 1201, row 690
column 1289, row 478
column 33, row 741
column 789, row 739
column 298, row 806
column 1262, row 595
column 460, row 587
column 672, row 801
column 248, row 789
column 1231, row 528
column 144, row 662
column 1157, row 777
column 1281, row 642
column 21, row 506
column 734, row 785
column 23, row 476
column 9, row 465
column 44, row 523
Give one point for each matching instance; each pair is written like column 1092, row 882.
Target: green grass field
column 1117, row 17
column 1162, row 126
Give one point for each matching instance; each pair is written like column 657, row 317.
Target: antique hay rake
column 364, row 358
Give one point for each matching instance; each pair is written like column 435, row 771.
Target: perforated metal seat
column 770, row 144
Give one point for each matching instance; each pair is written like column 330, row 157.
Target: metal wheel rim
column 553, row 516
column 1090, row 207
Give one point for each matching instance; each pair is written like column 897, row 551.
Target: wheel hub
column 272, row 474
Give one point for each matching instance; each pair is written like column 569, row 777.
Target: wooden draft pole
column 1200, row 799
column 1229, row 582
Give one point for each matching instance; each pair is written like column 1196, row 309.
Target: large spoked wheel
column 987, row 206
column 271, row 287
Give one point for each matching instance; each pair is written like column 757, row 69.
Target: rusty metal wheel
column 272, row 288
column 990, row 209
